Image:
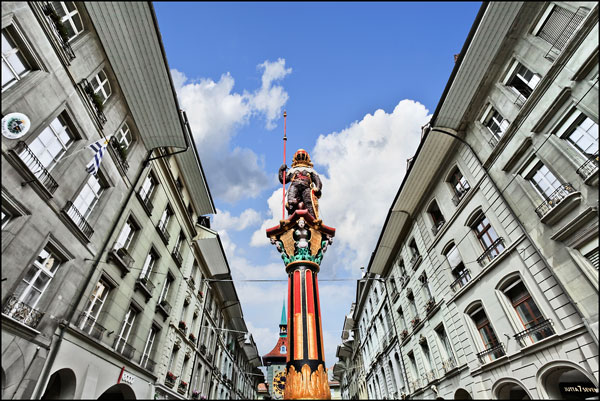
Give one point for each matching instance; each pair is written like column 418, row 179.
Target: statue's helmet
column 301, row 159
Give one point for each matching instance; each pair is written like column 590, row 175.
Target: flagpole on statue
column 285, row 172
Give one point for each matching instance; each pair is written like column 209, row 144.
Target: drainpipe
column 533, row 244
column 54, row 351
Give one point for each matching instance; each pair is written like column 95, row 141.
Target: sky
column 357, row 79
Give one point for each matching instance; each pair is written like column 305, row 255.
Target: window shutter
column 593, row 257
column 560, row 25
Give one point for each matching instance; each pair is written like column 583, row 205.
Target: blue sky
column 357, row 79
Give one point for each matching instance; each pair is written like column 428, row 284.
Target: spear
column 284, row 172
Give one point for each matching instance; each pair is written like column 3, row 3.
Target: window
column 52, row 143
column 487, row 237
column 527, row 311
column 70, row 18
column 544, row 181
column 460, row 273
column 413, row 364
column 459, row 184
column 282, row 349
column 121, row 340
column 426, row 356
column 584, row 137
column 148, row 187
column 444, row 342
column 402, row 321
column 14, row 63
column 173, row 359
column 6, row 217
column 495, row 123
column 401, row 267
column 148, row 265
column 89, row 195
column 413, row 306
column 436, row 217
column 425, row 287
column 165, row 290
column 101, row 86
column 414, row 251
column 35, row 282
column 124, row 137
column 163, row 223
column 487, row 334
column 523, row 81
column 560, row 25
column 148, row 346
column 94, row 306
column 127, row 235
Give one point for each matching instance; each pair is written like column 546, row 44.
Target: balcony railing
column 121, row 258
column 491, row 353
column 59, row 30
column 461, row 280
column 146, row 202
column 164, row 307
column 414, row 384
column 414, row 261
column 449, row 364
column 177, row 257
column 123, row 348
column 437, row 227
column 90, row 326
column 78, row 219
column 535, row 333
column 164, row 234
column 491, row 252
column 458, row 195
column 148, row 364
column 35, row 166
column 22, row 312
column 554, row 199
column 120, row 151
column 590, row 167
column 145, row 285
column 94, row 101
column 429, row 376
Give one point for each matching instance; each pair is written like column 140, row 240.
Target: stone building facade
column 488, row 260
column 106, row 287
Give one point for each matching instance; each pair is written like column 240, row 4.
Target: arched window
column 487, row 237
column 437, row 218
column 487, row 339
column 460, row 185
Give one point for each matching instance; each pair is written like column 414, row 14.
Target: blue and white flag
column 99, row 147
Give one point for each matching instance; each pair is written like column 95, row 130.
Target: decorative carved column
column 302, row 240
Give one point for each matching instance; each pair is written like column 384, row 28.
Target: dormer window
column 283, row 349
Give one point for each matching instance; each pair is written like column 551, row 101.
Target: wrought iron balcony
column 22, row 312
column 449, row 364
column 492, row 353
column 121, row 258
column 458, row 196
column 414, row 261
column 94, row 101
column 491, row 252
column 147, row 286
column 414, row 384
column 535, row 333
column 164, row 234
column 121, row 152
column 435, row 229
column 146, row 202
column 59, row 31
column 461, row 280
column 554, row 199
column 77, row 218
column 90, row 326
column 177, row 257
column 35, row 166
column 429, row 376
column 123, row 348
column 590, row 167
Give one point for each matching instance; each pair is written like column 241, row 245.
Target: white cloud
column 216, row 113
column 356, row 199
column 223, row 220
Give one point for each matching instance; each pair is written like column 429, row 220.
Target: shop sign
column 15, row 125
column 581, row 389
column 125, row 377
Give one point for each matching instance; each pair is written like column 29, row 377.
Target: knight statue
column 305, row 185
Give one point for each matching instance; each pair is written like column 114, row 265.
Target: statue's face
column 301, row 223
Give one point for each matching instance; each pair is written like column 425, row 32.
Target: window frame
column 68, row 16
column 19, row 43
column 87, row 316
column 99, row 85
column 54, row 135
column 124, row 327
column 131, row 237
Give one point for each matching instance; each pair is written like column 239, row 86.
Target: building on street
column 484, row 280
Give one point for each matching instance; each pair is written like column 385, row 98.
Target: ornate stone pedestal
column 302, row 240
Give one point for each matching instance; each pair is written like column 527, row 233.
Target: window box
column 122, row 259
column 182, row 325
column 22, row 312
column 403, row 334
column 192, row 337
column 195, row 395
column 170, row 379
column 146, row 286
column 415, row 321
column 430, row 305
column 559, row 203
